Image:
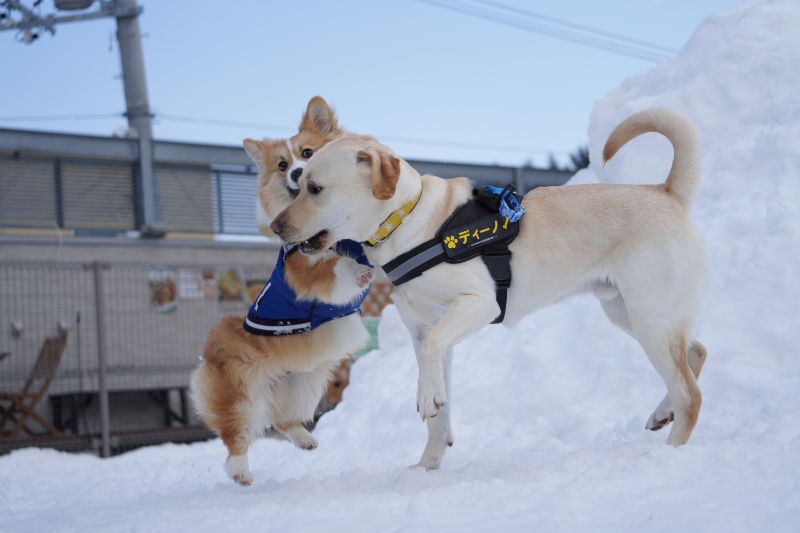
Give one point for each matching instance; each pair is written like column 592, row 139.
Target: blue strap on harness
column 509, row 205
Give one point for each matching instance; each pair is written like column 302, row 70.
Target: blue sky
column 399, row 69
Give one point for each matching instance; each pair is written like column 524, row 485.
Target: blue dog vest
column 278, row 311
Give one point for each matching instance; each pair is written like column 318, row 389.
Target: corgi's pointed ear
column 255, row 149
column 385, row 170
column 319, row 117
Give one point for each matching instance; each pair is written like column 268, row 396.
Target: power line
column 221, row 122
column 390, row 138
column 47, row 118
column 470, row 145
column 582, row 38
column 579, row 27
column 168, row 117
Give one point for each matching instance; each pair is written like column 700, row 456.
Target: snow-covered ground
column 548, row 417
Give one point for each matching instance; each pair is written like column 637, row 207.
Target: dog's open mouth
column 315, row 243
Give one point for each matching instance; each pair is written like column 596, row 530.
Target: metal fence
column 133, row 334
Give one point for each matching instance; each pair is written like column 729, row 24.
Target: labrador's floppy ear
column 255, row 149
column 385, row 169
column 319, row 117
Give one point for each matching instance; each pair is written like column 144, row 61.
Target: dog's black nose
column 295, row 175
column 276, row 226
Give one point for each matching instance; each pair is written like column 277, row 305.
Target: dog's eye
column 313, row 188
column 282, row 166
column 307, row 153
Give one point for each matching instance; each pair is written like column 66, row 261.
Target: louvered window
column 185, row 198
column 235, row 203
column 97, row 195
column 28, row 193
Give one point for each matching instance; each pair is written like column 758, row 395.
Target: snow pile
column 548, row 417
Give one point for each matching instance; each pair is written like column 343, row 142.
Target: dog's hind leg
column 294, row 402
column 236, row 435
column 617, row 313
column 663, row 414
column 298, row 434
column 614, row 307
column 223, row 406
column 668, row 355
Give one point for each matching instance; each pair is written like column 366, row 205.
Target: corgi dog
column 272, row 367
column 280, row 162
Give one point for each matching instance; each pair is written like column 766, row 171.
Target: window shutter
column 27, row 194
column 185, row 199
column 97, row 196
column 236, row 203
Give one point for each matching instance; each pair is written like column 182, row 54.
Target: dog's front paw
column 364, row 275
column 431, row 396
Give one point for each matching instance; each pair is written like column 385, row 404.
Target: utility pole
column 137, row 109
column 29, row 24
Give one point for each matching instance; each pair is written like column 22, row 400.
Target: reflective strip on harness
column 278, row 329
column 475, row 229
column 407, row 266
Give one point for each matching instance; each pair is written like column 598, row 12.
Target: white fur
column 352, row 279
column 262, row 218
column 296, row 163
column 633, row 246
column 237, row 469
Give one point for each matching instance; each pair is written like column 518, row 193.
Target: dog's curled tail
column 684, row 176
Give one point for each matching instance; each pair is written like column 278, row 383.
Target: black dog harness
column 477, row 228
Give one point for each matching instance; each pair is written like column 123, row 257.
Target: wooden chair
column 18, row 407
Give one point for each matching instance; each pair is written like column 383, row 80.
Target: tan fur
column 339, row 382
column 319, row 118
column 286, row 426
column 688, row 383
column 385, row 169
column 633, row 246
column 310, row 279
column 248, row 382
column 241, row 374
column 318, row 127
column 684, row 174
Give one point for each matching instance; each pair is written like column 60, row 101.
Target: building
column 135, row 311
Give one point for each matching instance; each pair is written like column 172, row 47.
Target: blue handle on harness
column 509, row 206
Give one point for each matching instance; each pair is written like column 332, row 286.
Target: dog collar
column 392, row 221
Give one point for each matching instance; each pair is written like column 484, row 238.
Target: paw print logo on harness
column 450, row 241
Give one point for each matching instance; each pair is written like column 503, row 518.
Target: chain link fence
column 97, row 356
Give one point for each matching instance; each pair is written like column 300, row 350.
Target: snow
column 548, row 417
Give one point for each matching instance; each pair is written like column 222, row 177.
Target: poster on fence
column 231, row 290
column 196, row 284
column 163, row 289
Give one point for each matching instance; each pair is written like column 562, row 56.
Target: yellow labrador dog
column 633, row 246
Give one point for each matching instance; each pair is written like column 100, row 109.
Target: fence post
column 99, row 301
